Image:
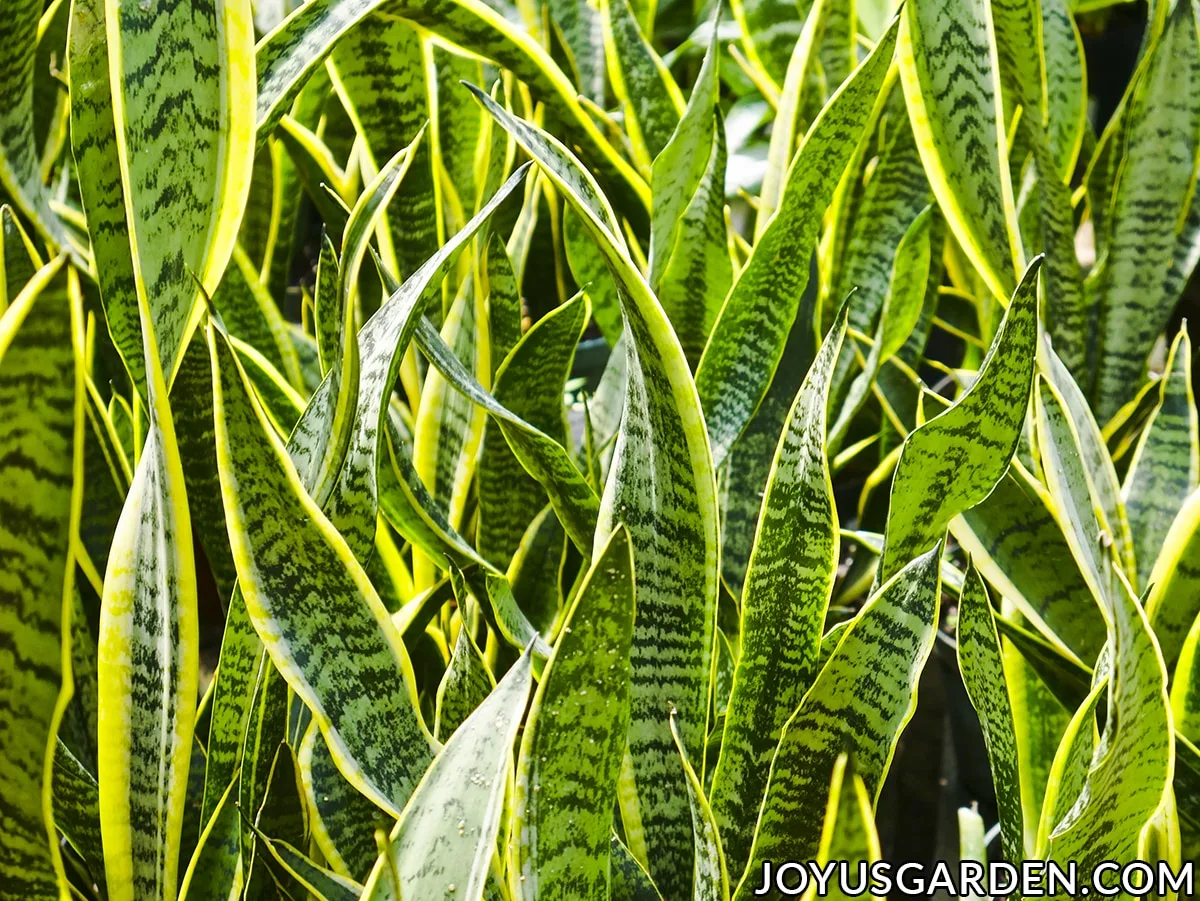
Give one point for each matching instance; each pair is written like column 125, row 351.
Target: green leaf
column 98, row 166
column 690, row 269
column 786, row 594
column 182, row 91
column 794, row 102
column 148, row 659
column 322, row 883
column 710, row 881
column 948, row 68
column 444, row 842
column 981, row 661
column 676, row 576
column 382, row 52
column 1105, row 488
column 769, row 31
column 1174, row 599
column 1141, row 272
column 1129, row 776
column 20, row 155
column 476, row 28
column 642, row 84
column 466, row 682
column 1017, row 545
column 297, row 575
column 860, row 702
column 877, row 221
column 953, row 461
column 382, row 343
column 448, row 426
column 629, row 881
column 215, row 873
column 848, row 834
column 342, row 821
column 574, row 740
column 530, row 384
column 736, row 369
column 41, row 405
column 898, row 317
column 1166, row 463
column 76, row 802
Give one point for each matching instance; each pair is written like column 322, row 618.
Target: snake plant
column 474, row 449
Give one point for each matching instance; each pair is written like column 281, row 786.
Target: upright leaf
column 671, row 512
column 41, row 405
column 182, row 93
column 1166, row 463
column 784, row 600
column 751, row 331
column 860, row 702
column 1174, row 600
column 148, row 661
column 1149, row 246
column 530, row 382
column 950, row 73
column 690, row 268
column 574, row 740
column 444, row 842
column 98, row 165
column 297, row 576
column 1129, row 776
column 848, row 836
column 981, row 661
column 20, row 155
column 652, row 100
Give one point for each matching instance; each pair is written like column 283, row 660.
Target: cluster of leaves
column 460, row 450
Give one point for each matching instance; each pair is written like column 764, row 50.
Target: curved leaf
column 1166, row 463
column 295, row 572
column 662, row 487
column 956, row 458
column 182, row 91
column 949, row 70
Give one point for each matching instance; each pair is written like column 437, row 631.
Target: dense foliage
column 455, row 449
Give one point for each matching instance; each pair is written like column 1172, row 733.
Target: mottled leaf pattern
column 563, row 814
column 784, row 600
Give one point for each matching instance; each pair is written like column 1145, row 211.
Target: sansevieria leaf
column 981, row 661
column 675, row 576
column 784, row 600
column 182, row 91
column 444, row 842
column 736, row 369
column 20, row 169
column 1150, row 239
column 966, row 449
column 849, row 841
column 148, row 661
column 1166, row 463
column 950, row 73
column 289, row 594
column 94, row 144
column 41, row 397
column 574, row 740
column 861, row 701
column 1174, row 600
column 1130, row 772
